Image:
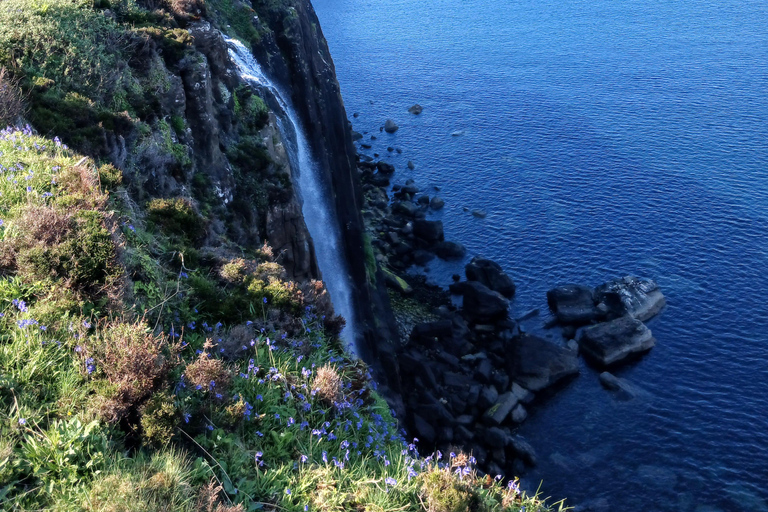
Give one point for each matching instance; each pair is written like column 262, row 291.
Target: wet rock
column 431, row 330
column 572, row 304
column 396, row 283
column 431, row 231
column 436, row 203
column 385, row 168
column 519, row 414
column 462, row 433
column 487, row 397
column 501, row 409
column 422, row 257
column 614, row 341
column 490, row 274
column 450, row 250
column 390, row 149
column 483, row 371
column 639, row 298
column 423, row 200
column 365, row 145
column 482, row 303
column 523, row 449
column 356, row 136
column 457, row 133
column 537, row 364
column 416, row 109
column 406, row 208
column 494, row 436
column 528, row 315
column 522, row 394
column 480, row 214
column 410, row 165
column 390, row 126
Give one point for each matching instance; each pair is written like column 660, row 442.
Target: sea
column 602, row 138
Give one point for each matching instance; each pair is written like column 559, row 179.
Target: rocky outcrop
column 572, row 304
column 490, row 274
column 639, row 298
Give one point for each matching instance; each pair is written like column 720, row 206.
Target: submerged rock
column 436, row 203
column 416, row 109
column 614, row 341
column 390, row 126
column 450, row 250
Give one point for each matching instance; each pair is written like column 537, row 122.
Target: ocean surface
column 602, row 138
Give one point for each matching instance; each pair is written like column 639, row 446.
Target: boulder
column 490, row 274
column 523, row 449
column 430, row 330
column 487, row 397
column 385, row 168
column 450, row 250
column 424, row 430
column 537, row 364
column 422, row 257
column 406, row 208
column 614, row 341
column 390, row 126
column 633, row 296
column 396, row 282
column 519, row 414
column 483, row 304
column 356, row 136
column 572, row 304
column 436, row 203
column 480, row 214
column 365, row 145
column 416, row 109
column 494, row 437
column 501, row 409
column 431, row 231
column 522, row 394
column 410, row 165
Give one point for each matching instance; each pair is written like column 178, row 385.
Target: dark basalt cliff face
column 297, row 55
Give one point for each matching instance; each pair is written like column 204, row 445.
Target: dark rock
column 450, row 250
column 519, row 414
column 431, row 231
column 528, row 315
column 406, row 208
column 465, row 420
column 494, row 468
column 385, row 168
column 445, row 434
column 463, row 434
column 410, row 165
column 480, row 214
column 458, row 288
column 572, row 304
column 448, row 359
column 390, row 126
column 523, row 449
column 500, row 380
column 474, row 394
column 483, row 372
column 373, row 137
column 399, row 151
column 494, row 437
column 438, row 329
column 498, row 456
column 422, row 257
column 365, row 145
column 392, row 237
column 390, row 149
column 356, row 136
column 488, row 397
column 424, row 430
column 423, row 200
column 416, row 109
column 612, row 383
column 616, row 340
column 491, row 275
column 522, row 394
column 483, row 304
column 569, row 332
column 501, row 409
column 639, row 298
column 537, row 364
column 396, row 283
column 356, row 114
column 436, row 203
column 481, row 455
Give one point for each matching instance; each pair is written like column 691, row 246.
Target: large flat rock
column 614, row 341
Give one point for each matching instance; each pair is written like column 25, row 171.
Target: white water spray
column 315, row 205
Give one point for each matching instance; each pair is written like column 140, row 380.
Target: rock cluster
column 614, row 312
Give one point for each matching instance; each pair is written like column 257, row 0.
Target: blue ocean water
column 603, row 138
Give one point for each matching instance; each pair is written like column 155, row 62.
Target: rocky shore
column 469, row 375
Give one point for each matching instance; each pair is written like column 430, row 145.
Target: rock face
column 390, row 126
column 537, row 364
column 640, row 298
column 490, row 274
column 614, row 341
column 572, row 304
column 483, row 304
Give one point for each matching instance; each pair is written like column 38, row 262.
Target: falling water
column 315, row 205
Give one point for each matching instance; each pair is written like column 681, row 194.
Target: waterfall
column 316, row 205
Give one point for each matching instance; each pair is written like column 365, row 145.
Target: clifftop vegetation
column 154, row 354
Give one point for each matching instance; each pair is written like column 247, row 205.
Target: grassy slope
column 135, row 379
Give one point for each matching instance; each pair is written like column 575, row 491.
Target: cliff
column 164, row 341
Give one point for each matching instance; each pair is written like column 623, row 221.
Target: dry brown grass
column 43, row 225
column 208, row 500
column 328, row 384
column 208, row 373
column 11, row 99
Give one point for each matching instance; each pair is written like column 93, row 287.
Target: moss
column 175, row 216
column 158, row 420
column 370, row 258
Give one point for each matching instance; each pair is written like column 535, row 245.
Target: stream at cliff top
column 603, row 139
column 315, row 202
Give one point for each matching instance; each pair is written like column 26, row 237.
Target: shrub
column 441, row 491
column 11, row 103
column 134, row 362
column 110, row 177
column 208, row 373
column 176, row 216
column 158, row 419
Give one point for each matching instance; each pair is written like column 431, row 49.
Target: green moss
column 176, row 216
column 370, row 258
column 158, row 420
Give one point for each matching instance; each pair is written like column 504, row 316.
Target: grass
column 109, row 407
